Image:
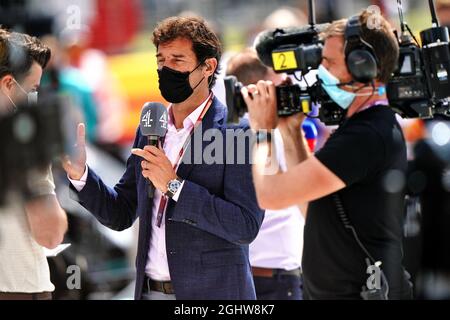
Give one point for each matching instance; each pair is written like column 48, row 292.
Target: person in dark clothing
column 359, row 172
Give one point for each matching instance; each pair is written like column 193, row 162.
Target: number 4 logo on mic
column 154, row 120
column 147, row 119
column 163, row 120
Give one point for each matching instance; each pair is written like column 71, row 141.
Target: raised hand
column 76, row 165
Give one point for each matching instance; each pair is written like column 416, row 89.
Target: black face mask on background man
column 174, row 85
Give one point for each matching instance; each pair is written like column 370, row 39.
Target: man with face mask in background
column 26, row 226
column 276, row 253
column 198, row 247
column 354, row 185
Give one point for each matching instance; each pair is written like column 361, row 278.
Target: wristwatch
column 263, row 136
column 173, row 186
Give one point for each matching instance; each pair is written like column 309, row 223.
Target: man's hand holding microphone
column 156, row 167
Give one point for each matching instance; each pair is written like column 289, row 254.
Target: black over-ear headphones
column 359, row 55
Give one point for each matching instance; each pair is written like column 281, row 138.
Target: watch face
column 174, row 185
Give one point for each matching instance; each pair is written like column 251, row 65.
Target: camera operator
column 358, row 172
column 26, row 227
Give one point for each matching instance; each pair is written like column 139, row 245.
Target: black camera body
column 292, row 49
column 420, row 86
column 30, row 139
column 407, row 89
column 289, row 50
column 291, row 99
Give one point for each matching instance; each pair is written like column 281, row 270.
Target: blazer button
column 190, row 222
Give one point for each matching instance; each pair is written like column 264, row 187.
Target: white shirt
column 279, row 244
column 157, row 267
column 23, row 264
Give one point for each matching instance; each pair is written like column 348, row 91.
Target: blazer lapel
column 214, row 118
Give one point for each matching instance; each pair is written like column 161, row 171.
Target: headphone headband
column 359, row 55
column 353, row 29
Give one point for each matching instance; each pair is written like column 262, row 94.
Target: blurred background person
column 26, row 225
column 65, row 79
column 276, row 253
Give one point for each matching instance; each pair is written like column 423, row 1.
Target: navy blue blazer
column 207, row 230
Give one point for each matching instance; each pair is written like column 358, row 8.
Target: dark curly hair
column 205, row 43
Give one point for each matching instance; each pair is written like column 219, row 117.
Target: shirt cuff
column 79, row 184
column 177, row 194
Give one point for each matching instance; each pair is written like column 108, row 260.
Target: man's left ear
column 6, row 84
column 211, row 65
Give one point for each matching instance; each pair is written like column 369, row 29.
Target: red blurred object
column 115, row 25
column 312, row 144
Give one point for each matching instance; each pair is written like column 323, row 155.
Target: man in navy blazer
column 199, row 249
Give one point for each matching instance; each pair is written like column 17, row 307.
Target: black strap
column 346, row 222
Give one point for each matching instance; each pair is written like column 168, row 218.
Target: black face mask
column 174, row 85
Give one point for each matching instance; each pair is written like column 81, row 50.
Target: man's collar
column 192, row 118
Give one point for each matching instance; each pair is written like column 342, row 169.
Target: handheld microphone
column 153, row 125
